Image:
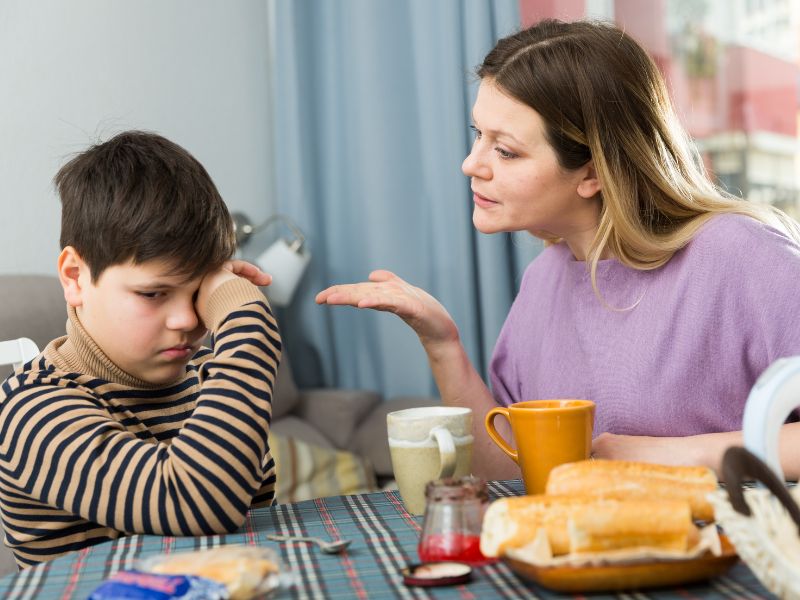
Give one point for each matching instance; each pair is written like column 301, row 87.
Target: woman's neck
column 580, row 243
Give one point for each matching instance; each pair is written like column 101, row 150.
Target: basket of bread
column 605, row 525
column 763, row 523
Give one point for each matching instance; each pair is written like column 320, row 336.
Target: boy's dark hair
column 140, row 197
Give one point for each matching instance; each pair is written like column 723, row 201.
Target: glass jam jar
column 451, row 529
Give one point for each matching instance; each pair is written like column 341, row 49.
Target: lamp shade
column 286, row 263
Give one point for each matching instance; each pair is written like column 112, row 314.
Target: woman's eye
column 476, row 131
column 505, row 153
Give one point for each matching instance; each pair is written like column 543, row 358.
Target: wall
column 76, row 72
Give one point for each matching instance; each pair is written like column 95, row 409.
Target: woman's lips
column 482, row 201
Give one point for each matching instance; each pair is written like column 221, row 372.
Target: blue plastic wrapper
column 137, row 585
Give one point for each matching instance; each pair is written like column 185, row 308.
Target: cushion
column 305, row 471
column 336, row 412
column 285, row 394
column 291, row 426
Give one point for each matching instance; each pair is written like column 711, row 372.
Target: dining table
column 385, row 538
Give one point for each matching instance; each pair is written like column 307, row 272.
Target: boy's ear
column 590, row 184
column 73, row 274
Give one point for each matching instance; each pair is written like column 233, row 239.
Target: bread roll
column 617, row 524
column 514, row 522
column 575, row 524
column 636, row 481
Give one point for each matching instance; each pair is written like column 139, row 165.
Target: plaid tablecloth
column 385, row 539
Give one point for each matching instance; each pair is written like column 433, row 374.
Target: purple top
column 683, row 360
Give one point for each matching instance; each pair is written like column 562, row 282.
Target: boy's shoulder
column 40, row 375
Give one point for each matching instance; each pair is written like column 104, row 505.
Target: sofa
column 325, row 441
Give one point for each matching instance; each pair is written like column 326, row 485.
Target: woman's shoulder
column 732, row 235
column 732, row 226
column 735, row 251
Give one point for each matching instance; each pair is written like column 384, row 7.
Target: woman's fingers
column 353, row 293
column 347, row 293
column 350, row 293
column 378, row 296
column 387, row 292
column 322, row 297
column 382, row 275
column 399, row 305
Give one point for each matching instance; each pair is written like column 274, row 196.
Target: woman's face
column 517, row 182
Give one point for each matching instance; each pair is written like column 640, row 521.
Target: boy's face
column 142, row 317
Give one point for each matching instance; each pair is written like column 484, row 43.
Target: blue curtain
column 372, row 104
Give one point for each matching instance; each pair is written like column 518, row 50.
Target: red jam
column 452, row 546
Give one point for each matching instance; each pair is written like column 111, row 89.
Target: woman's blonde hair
column 603, row 99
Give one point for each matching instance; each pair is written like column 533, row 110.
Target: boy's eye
column 150, row 295
column 476, row 131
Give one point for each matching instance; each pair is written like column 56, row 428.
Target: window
column 733, row 69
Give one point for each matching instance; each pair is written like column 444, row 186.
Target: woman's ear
column 73, row 274
column 589, row 186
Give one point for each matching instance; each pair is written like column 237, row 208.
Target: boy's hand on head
column 249, row 271
column 229, row 270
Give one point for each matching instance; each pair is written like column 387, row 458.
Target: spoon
column 333, row 547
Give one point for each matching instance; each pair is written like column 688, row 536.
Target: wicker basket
column 768, row 540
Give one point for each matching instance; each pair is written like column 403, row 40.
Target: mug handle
column 772, row 399
column 447, row 451
column 496, row 437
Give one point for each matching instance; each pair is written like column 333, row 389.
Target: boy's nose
column 183, row 319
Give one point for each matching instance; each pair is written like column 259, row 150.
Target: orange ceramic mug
column 548, row 433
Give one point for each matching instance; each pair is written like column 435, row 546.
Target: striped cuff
column 227, row 298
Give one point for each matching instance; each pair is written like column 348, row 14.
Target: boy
column 126, row 425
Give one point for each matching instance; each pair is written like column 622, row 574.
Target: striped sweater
column 89, row 453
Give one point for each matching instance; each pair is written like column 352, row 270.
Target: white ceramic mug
column 774, row 396
column 428, row 443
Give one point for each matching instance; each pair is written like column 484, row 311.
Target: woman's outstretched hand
column 385, row 291
column 458, row 382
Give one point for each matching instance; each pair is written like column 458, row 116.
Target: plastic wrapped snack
column 134, row 585
column 246, row 571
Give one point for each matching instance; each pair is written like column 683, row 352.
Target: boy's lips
column 179, row 351
column 483, row 201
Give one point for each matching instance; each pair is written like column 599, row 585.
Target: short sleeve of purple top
column 682, row 361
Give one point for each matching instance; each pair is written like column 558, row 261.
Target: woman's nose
column 474, row 165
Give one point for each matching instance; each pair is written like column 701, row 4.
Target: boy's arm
column 60, row 446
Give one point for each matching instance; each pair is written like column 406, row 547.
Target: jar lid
column 457, row 489
column 436, row 573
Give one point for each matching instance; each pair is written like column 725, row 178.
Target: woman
column 658, row 297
